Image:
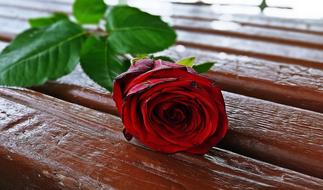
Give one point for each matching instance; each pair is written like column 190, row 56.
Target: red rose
column 169, row 107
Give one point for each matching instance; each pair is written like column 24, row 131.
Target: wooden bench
column 271, row 70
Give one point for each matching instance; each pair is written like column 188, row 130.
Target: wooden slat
column 200, row 12
column 250, row 48
column 250, row 32
column 19, row 13
column 264, row 50
column 289, row 84
column 207, row 12
column 10, row 28
column 41, row 6
column 61, row 145
column 255, row 126
column 212, row 11
column 280, row 82
column 64, row 2
column 251, row 24
column 297, row 161
column 2, row 45
column 101, row 102
column 215, row 27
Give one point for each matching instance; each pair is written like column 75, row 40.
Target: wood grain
column 39, row 6
column 226, row 28
column 253, row 24
column 289, row 84
column 185, row 11
column 211, row 41
column 249, row 32
column 223, row 28
column 239, row 74
column 225, row 42
column 255, row 126
column 280, row 82
column 65, row 146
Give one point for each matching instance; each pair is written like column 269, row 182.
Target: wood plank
column 276, row 81
column 252, row 24
column 200, row 12
column 215, row 27
column 289, row 84
column 209, row 12
column 87, row 98
column 40, row 6
column 21, row 14
column 293, row 165
column 66, row 146
column 249, row 32
column 264, row 50
column 254, row 126
column 258, row 49
column 10, row 28
column 2, row 45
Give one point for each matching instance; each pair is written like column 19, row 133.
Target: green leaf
column 203, row 67
column 22, row 39
column 100, row 63
column 136, row 32
column 141, row 56
column 46, row 21
column 89, row 11
column 188, row 62
column 39, row 55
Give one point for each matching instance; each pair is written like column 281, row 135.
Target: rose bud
column 169, row 107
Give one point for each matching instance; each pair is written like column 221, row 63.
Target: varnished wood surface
column 76, row 147
column 284, row 79
column 218, row 27
column 165, row 8
column 295, row 85
column 260, row 48
column 254, row 126
column 46, row 142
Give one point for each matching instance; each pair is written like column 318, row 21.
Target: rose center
column 176, row 114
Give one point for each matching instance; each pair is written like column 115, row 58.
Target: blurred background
column 305, row 9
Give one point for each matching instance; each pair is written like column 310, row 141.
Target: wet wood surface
column 46, row 142
column 69, row 146
column 287, row 80
column 254, row 125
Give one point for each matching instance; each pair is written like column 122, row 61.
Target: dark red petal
column 122, row 80
column 140, row 87
column 132, row 119
column 127, row 135
column 214, row 139
column 161, row 73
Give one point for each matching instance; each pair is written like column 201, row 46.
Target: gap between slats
column 184, row 14
column 294, row 95
column 102, row 102
column 272, row 57
column 312, row 44
column 254, row 126
column 99, row 131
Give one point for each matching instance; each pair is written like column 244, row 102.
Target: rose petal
column 151, row 91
